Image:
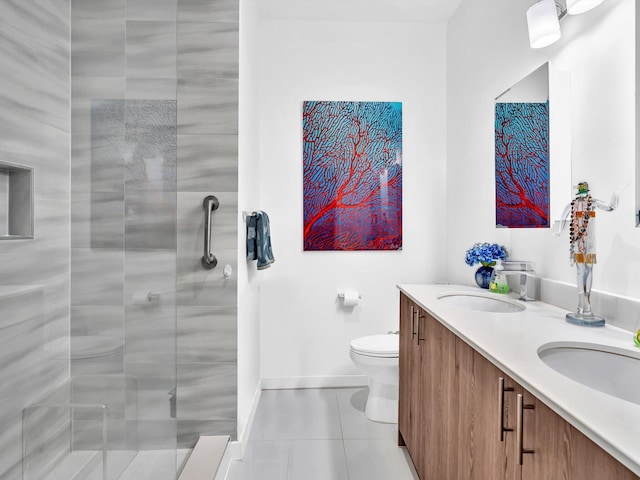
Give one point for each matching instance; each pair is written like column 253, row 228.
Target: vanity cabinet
column 427, row 351
column 459, row 415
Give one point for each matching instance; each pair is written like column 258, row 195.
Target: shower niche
column 16, row 202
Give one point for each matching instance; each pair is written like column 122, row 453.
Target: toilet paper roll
column 144, row 298
column 350, row 298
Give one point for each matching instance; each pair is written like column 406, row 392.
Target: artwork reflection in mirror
column 522, row 153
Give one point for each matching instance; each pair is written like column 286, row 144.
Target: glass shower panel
column 42, row 462
column 150, row 270
column 123, row 313
column 84, row 430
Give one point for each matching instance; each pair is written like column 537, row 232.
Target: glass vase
column 483, row 276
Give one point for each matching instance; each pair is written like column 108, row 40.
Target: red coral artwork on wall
column 352, row 156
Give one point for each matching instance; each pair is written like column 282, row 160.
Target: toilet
column 377, row 357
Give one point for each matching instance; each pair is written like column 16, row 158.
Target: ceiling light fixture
column 576, row 7
column 543, row 19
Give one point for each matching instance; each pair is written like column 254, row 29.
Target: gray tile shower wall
column 151, row 49
column 208, row 50
column 207, row 107
column 96, row 276
column 97, row 47
column 97, row 9
column 34, row 278
column 207, row 117
column 198, row 171
column 159, row 10
column 223, row 11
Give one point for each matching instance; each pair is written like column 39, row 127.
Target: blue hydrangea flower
column 485, row 253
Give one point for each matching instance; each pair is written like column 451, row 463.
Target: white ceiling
column 358, row 10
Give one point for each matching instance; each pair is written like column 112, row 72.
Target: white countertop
column 511, row 342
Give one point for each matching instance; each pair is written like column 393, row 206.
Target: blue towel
column 259, row 240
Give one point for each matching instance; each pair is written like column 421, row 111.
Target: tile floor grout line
column 344, row 448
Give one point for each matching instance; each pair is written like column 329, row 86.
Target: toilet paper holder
column 145, row 298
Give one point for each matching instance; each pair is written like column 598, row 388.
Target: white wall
column 488, row 50
column 248, row 199
column 448, row 186
column 305, row 332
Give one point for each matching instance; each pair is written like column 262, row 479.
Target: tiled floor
column 320, row 435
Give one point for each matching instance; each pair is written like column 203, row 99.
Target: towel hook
column 210, row 204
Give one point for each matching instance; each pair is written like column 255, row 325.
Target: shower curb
column 205, row 458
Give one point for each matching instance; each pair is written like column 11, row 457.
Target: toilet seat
column 383, row 346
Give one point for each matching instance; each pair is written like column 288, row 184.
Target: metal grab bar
column 210, row 204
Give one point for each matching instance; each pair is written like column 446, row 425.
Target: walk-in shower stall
column 117, row 343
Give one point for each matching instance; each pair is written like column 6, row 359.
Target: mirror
column 522, row 153
column 637, row 209
column 532, row 167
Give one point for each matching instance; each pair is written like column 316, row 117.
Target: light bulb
column 543, row 23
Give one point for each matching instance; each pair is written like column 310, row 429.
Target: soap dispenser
column 498, row 282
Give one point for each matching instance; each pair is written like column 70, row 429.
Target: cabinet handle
column 501, row 390
column 520, row 430
column 413, row 321
column 420, row 337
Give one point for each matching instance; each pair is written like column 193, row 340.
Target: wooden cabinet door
column 560, row 451
column 509, row 463
column 589, row 460
column 486, row 406
column 409, row 412
column 404, row 361
column 439, row 404
column 549, row 437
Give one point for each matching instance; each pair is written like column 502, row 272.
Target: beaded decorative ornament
column 581, row 212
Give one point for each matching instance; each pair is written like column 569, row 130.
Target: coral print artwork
column 522, row 165
column 352, row 156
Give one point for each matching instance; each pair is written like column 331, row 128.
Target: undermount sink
column 480, row 302
column 610, row 370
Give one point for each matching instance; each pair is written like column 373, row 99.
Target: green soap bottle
column 498, row 282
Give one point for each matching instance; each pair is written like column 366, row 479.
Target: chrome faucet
column 523, row 268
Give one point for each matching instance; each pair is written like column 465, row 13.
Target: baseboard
column 237, row 448
column 336, row 381
column 240, row 447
